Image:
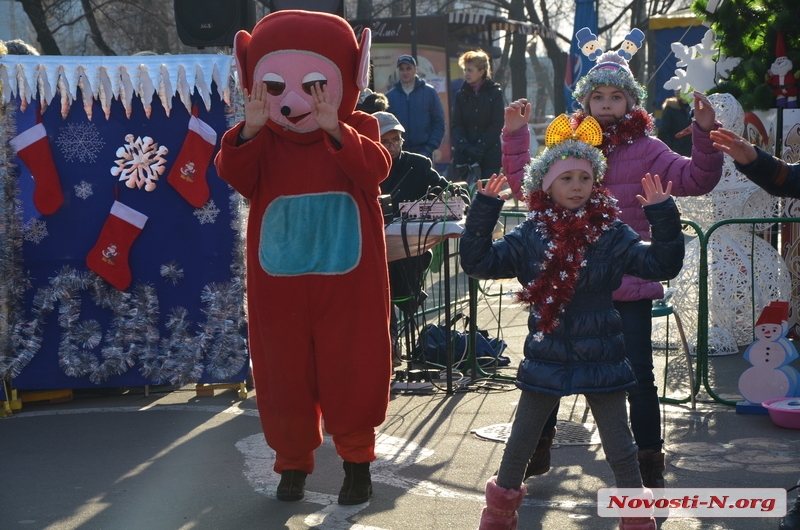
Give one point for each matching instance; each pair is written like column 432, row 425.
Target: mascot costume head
column 291, row 61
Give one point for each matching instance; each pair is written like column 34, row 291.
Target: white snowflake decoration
column 140, row 162
column 702, row 71
column 80, row 141
column 731, row 281
column 208, row 213
column 730, row 312
column 83, row 190
column 34, row 231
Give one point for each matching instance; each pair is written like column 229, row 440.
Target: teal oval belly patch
column 310, row 234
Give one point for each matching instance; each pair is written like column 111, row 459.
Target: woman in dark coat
column 477, row 119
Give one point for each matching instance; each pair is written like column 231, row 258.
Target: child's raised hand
column 493, row 186
column 256, row 109
column 704, row 113
column 516, row 115
column 654, row 192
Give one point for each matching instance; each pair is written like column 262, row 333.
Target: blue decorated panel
column 181, row 319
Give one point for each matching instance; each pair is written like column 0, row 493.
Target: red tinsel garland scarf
column 633, row 125
column 569, row 234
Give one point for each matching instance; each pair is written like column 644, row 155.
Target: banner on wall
column 130, row 270
column 682, row 26
column 761, row 128
column 579, row 64
column 391, row 38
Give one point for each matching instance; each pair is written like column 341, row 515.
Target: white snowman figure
column 771, row 352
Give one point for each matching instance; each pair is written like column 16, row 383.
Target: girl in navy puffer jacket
column 610, row 94
column 570, row 255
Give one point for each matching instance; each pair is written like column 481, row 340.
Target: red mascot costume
column 317, row 282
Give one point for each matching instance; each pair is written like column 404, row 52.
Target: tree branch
column 35, row 12
column 94, row 29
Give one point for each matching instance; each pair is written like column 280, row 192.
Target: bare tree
column 94, row 29
column 104, row 27
column 38, row 17
column 364, row 9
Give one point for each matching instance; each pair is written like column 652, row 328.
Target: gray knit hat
column 611, row 70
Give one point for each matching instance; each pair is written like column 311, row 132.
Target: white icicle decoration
column 106, row 78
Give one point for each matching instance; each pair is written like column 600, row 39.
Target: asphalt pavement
column 166, row 458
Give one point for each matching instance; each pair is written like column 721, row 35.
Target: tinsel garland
column 179, row 359
column 631, row 126
column 133, row 335
column 13, row 280
column 219, row 349
column 568, row 234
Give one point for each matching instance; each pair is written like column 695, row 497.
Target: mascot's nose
column 292, row 105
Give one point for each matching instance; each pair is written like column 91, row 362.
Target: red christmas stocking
column 188, row 173
column 33, row 149
column 109, row 257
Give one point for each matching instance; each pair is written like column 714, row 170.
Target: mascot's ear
column 362, row 78
column 240, row 42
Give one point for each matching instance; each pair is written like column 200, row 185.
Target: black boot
column 792, row 519
column 357, row 487
column 292, row 485
column 651, row 467
column 539, row 463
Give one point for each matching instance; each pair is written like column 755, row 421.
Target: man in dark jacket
column 411, row 178
column 777, row 178
column 418, row 107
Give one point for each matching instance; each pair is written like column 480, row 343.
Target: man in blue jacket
column 417, row 106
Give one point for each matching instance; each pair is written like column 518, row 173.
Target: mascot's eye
column 312, row 79
column 275, row 84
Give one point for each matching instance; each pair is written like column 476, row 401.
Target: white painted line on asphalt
column 149, row 408
column 392, row 455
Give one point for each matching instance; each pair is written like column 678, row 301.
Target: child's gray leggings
column 610, row 416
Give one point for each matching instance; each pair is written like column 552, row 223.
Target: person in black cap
column 411, row 178
column 418, row 107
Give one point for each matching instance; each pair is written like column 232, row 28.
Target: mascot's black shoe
column 292, row 485
column 357, row 487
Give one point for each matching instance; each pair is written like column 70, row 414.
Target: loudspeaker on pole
column 203, row 23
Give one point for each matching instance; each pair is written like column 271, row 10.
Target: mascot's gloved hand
column 324, row 112
column 256, row 110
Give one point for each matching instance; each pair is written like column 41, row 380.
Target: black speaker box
column 202, row 23
column 335, row 7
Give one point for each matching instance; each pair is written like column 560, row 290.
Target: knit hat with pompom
column 611, row 70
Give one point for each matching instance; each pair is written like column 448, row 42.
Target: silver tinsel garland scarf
column 104, row 336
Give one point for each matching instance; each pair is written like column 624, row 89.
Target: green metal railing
column 702, row 316
column 455, row 291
